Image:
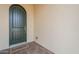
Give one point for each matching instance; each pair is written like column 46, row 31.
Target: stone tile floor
column 30, row 48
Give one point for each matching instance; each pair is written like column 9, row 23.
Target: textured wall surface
column 57, row 27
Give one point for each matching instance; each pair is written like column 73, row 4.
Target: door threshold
column 12, row 46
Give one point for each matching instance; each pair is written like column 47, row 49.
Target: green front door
column 17, row 24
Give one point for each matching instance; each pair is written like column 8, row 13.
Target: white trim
column 17, row 44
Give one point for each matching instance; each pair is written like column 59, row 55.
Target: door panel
column 18, row 18
column 17, row 24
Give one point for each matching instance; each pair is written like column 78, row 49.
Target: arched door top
column 17, row 5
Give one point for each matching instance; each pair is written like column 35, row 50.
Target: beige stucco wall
column 57, row 27
column 4, row 24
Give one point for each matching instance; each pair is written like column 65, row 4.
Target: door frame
column 10, row 26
